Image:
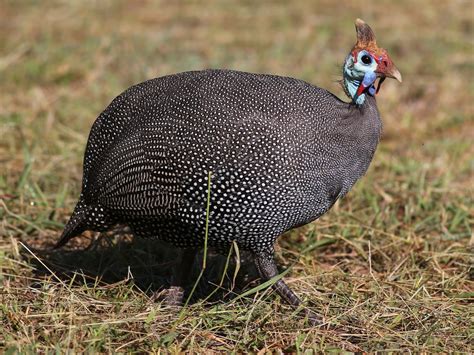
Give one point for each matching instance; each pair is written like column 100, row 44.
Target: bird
column 220, row 156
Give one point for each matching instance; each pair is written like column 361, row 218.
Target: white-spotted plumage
column 280, row 150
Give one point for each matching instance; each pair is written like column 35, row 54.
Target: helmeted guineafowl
column 280, row 152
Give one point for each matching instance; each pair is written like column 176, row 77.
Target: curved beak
column 387, row 69
column 394, row 73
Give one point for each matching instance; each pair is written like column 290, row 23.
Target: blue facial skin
column 356, row 72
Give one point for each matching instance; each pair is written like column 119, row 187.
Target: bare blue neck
column 353, row 79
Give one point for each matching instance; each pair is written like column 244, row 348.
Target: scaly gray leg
column 173, row 296
column 267, row 269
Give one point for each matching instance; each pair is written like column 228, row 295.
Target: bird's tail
column 78, row 223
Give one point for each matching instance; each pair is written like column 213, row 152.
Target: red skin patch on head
column 354, row 56
column 377, row 59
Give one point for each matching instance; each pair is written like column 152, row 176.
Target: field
column 390, row 267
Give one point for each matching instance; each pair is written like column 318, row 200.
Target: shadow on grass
column 149, row 264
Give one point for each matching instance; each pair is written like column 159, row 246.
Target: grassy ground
column 390, row 265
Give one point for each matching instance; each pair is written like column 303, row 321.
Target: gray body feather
column 280, row 150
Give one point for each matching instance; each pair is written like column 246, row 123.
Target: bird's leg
column 267, row 269
column 173, row 296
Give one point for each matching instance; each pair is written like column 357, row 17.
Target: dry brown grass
column 391, row 265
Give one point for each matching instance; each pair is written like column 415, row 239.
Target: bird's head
column 365, row 63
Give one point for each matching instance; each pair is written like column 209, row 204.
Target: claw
column 172, row 296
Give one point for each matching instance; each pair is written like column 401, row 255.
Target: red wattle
column 361, row 89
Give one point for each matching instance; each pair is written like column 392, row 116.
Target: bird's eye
column 366, row 59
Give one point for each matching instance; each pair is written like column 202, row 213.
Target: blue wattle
column 369, row 79
column 368, row 84
column 372, row 90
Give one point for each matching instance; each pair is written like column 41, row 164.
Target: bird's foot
column 313, row 318
column 267, row 270
column 172, row 296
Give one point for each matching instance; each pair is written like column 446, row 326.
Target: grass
column 390, row 265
